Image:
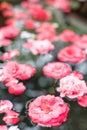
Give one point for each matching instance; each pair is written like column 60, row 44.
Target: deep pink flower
column 56, row 70
column 39, row 46
column 68, row 36
column 25, row 71
column 48, row 111
column 5, row 42
column 29, row 24
column 16, row 88
column 81, row 42
column 71, row 54
column 11, row 117
column 10, row 54
column 82, row 101
column 5, row 106
column 3, row 127
column 72, row 87
column 40, row 13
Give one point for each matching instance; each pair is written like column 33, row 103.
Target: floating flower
column 72, row 87
column 56, row 70
column 82, row 101
column 39, row 46
column 71, row 54
column 48, row 111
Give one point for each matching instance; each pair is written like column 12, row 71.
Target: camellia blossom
column 16, row 88
column 71, row 54
column 77, row 74
column 5, row 42
column 11, row 117
column 5, row 106
column 56, row 70
column 25, row 71
column 46, row 35
column 72, row 87
column 10, row 54
column 29, row 24
column 82, row 101
column 68, row 36
column 48, row 110
column 64, row 5
column 81, row 42
column 12, row 32
column 39, row 46
column 3, row 127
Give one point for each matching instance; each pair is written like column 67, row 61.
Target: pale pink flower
column 72, row 87
column 48, row 111
column 3, row 127
column 5, row 106
column 39, row 46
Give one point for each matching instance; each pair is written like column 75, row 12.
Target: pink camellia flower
column 20, row 15
column 29, row 24
column 64, row 5
column 5, row 5
column 5, row 42
column 56, row 70
column 11, row 33
column 71, row 54
column 48, row 111
column 11, row 68
column 10, row 54
column 11, row 117
column 39, row 46
column 72, row 87
column 82, row 101
column 46, row 35
column 77, row 74
column 81, row 42
column 3, row 127
column 16, row 88
column 25, row 71
column 68, row 36
column 5, row 106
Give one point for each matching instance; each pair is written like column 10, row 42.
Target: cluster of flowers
column 11, row 72
column 46, row 110
column 11, row 117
